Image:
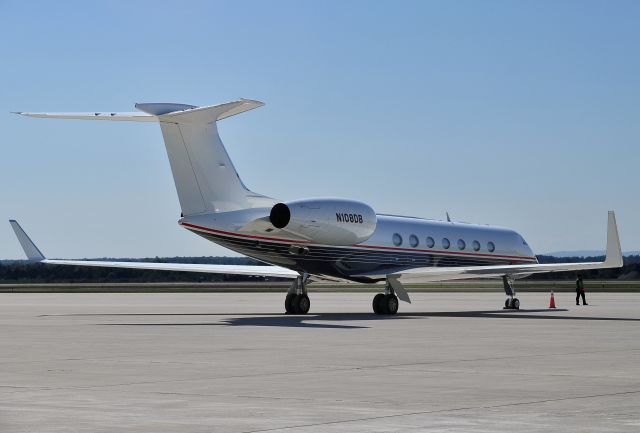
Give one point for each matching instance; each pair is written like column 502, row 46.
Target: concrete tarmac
column 198, row 362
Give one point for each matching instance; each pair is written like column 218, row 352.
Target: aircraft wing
column 613, row 259
column 35, row 255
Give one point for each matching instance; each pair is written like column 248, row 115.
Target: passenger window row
column 446, row 244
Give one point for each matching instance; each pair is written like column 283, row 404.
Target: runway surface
column 197, row 362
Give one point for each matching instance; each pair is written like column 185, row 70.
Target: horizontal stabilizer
column 165, row 112
column 160, row 108
column 200, row 115
column 126, row 117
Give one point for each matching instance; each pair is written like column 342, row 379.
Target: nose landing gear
column 511, row 303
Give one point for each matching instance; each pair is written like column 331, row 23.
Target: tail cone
column 552, row 301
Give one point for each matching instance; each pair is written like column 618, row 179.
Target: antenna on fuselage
column 448, row 217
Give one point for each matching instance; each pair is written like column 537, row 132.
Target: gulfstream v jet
column 315, row 238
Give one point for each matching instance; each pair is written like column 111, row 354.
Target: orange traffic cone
column 552, row 301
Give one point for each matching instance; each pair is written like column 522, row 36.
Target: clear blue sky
column 520, row 114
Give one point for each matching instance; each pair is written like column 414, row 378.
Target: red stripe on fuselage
column 207, row 229
column 295, row 241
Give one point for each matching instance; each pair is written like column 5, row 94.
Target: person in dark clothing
column 580, row 291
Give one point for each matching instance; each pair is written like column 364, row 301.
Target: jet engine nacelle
column 326, row 221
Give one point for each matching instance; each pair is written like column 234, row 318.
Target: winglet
column 613, row 256
column 30, row 249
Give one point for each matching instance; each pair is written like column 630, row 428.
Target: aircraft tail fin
column 205, row 178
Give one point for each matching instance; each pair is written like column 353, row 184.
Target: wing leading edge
column 34, row 255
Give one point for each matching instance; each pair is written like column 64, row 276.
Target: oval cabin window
column 476, row 246
column 430, row 242
column 413, row 240
column 397, row 239
column 461, row 244
column 491, row 247
column 445, row 243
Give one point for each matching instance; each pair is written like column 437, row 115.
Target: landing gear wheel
column 301, row 304
column 377, row 303
column 288, row 303
column 297, row 301
column 390, row 304
column 512, row 304
column 385, row 304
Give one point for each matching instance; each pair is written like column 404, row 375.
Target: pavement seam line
column 523, row 403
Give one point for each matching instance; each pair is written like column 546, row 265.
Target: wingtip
column 253, row 101
column 614, row 250
column 30, row 249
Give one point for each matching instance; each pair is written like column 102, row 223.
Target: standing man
column 580, row 291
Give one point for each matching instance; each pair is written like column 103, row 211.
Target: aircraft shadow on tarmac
column 324, row 320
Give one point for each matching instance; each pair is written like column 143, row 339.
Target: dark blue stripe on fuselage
column 344, row 262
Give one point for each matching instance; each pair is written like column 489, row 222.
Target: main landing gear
column 511, row 303
column 297, row 300
column 385, row 303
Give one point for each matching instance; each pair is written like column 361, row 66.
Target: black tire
column 391, row 304
column 288, row 302
column 377, row 303
column 302, row 304
column 515, row 304
column 507, row 304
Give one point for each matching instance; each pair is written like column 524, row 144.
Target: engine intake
column 326, row 221
column 280, row 215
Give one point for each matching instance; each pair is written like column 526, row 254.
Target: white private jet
column 315, row 238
